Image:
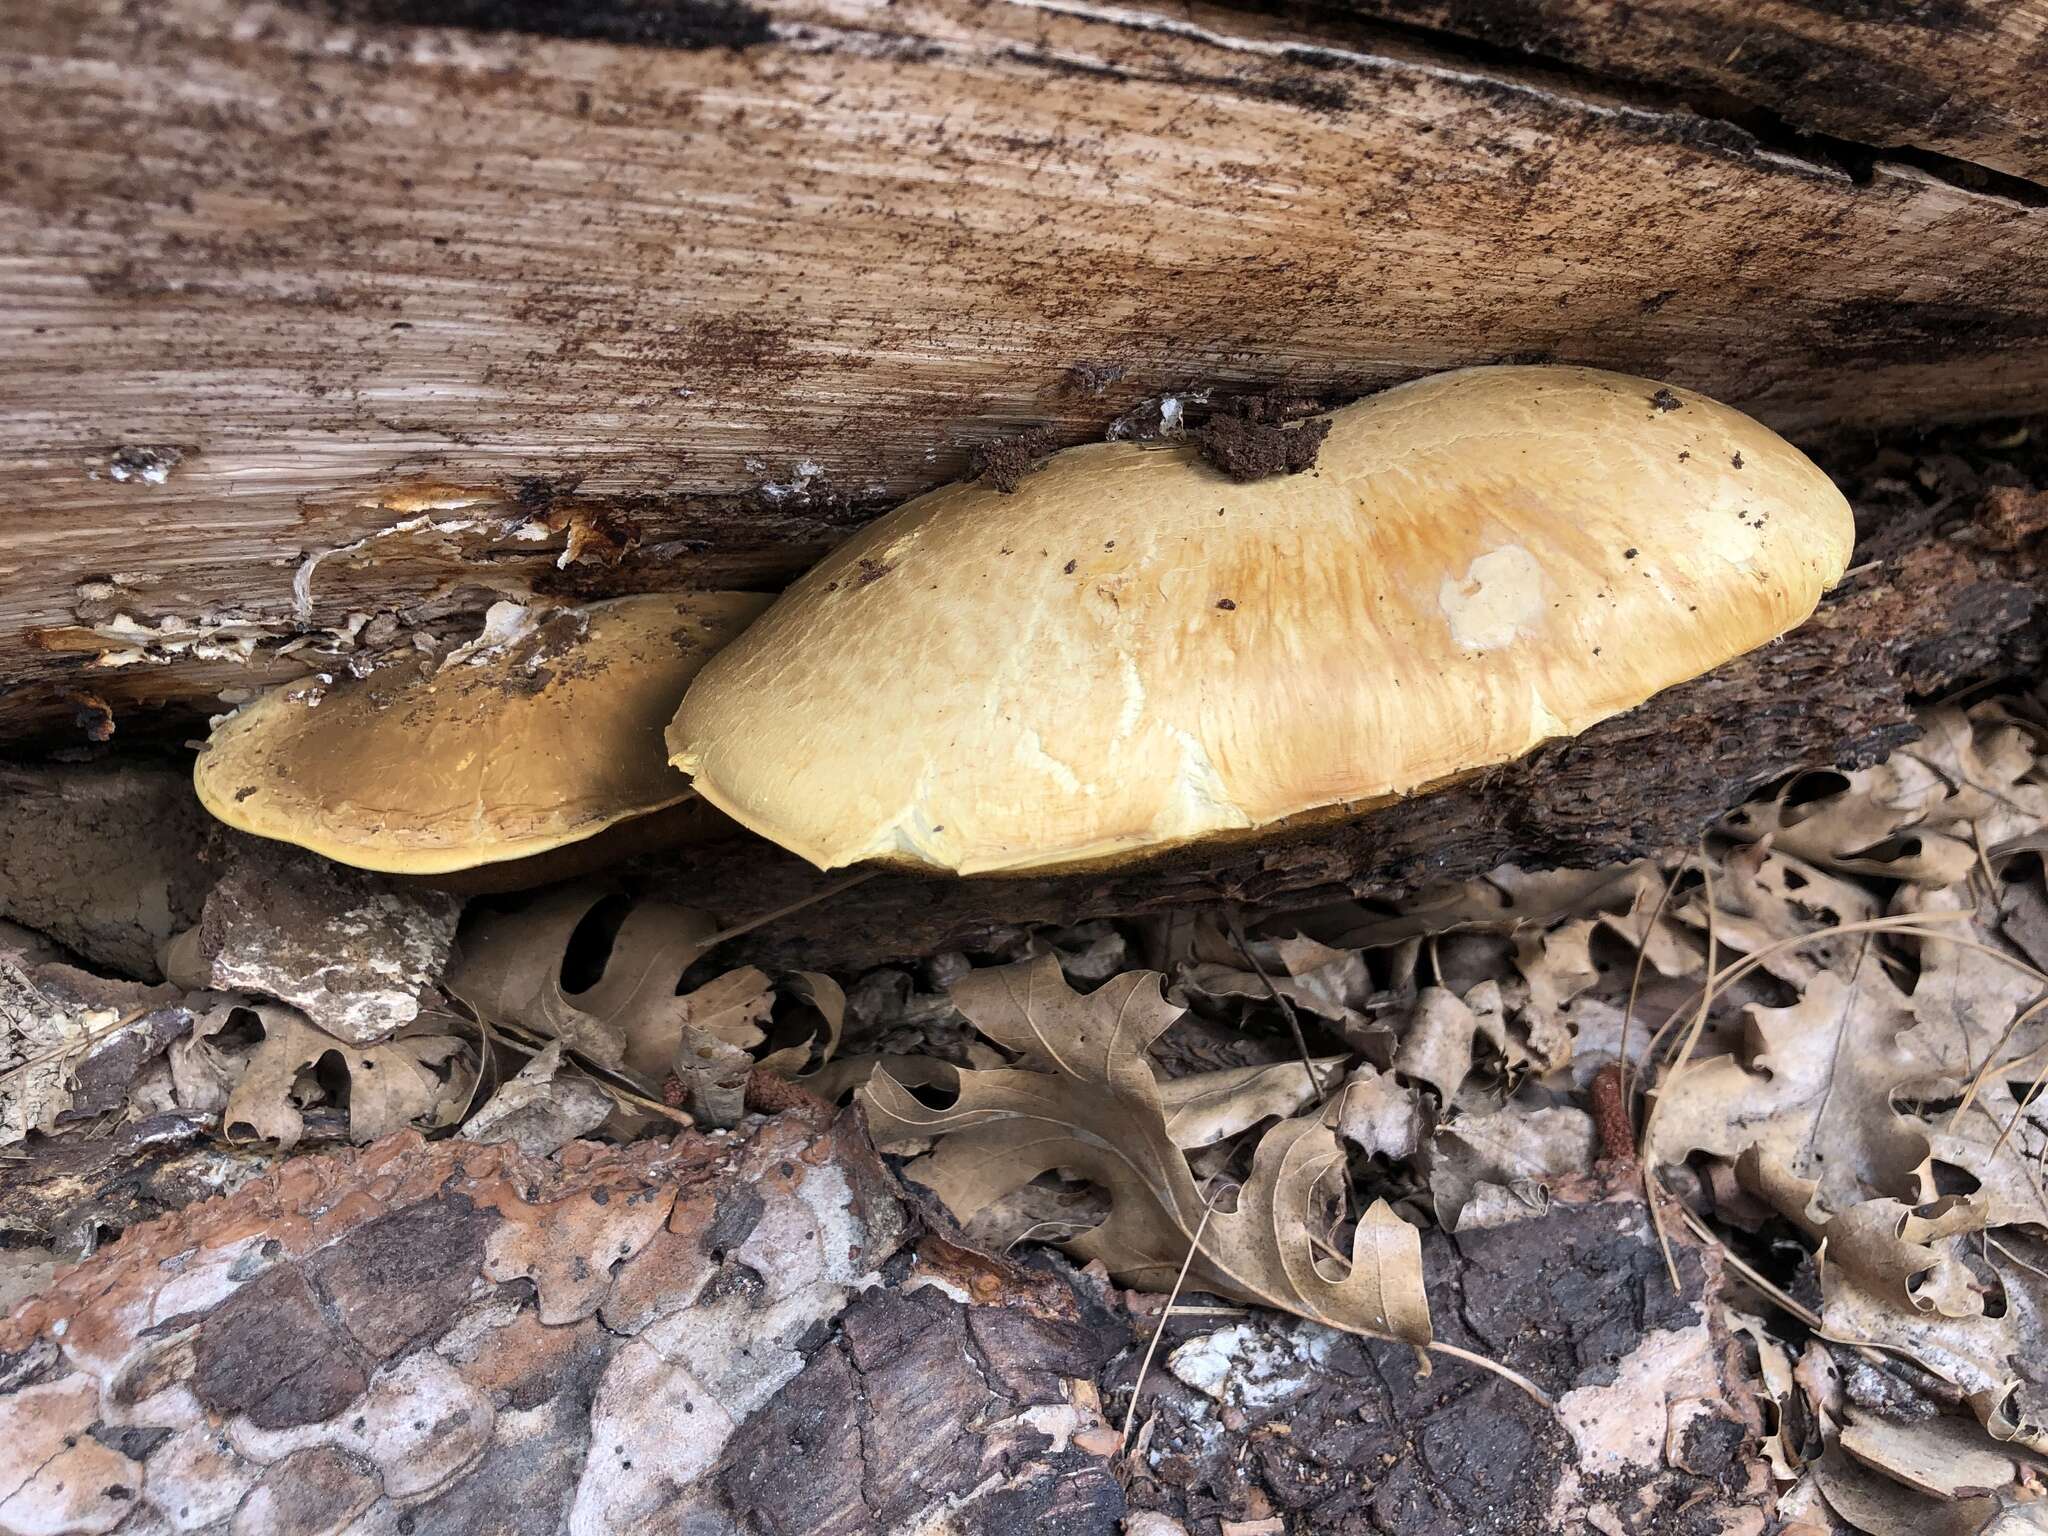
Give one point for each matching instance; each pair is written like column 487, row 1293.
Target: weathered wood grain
column 742, row 297
column 1960, row 77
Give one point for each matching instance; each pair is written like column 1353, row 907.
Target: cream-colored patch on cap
column 1499, row 599
column 1544, row 724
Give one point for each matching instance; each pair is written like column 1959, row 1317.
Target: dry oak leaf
column 36, row 1028
column 1780, row 1445
column 1379, row 1114
column 1982, row 1356
column 827, row 999
column 391, row 1085
column 542, row 1109
column 1763, row 895
column 508, row 969
column 1438, row 1038
column 1964, row 999
column 1944, row 1458
column 1816, row 1096
column 1512, row 1145
column 1875, row 1505
column 1082, row 1098
column 1204, row 1108
column 1889, row 1247
column 2001, row 1140
column 1556, row 965
column 1922, row 815
column 1331, row 984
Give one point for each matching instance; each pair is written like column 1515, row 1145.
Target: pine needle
column 1978, row 1078
column 1777, row 1293
column 1653, row 1190
column 1315, row 1083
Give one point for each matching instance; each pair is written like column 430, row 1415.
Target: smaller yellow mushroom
column 543, row 732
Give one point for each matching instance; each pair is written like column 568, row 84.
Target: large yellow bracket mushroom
column 1133, row 652
column 544, row 732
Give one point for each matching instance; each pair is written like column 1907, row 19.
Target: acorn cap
column 543, row 731
column 1132, row 652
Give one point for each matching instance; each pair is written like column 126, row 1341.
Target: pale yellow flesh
column 1132, row 652
column 478, row 763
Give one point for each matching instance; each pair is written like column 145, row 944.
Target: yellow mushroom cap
column 1132, row 652
column 544, row 731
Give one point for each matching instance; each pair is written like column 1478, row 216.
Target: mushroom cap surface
column 544, row 731
column 1132, row 652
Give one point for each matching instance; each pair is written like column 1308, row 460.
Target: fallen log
column 745, row 1334
column 1960, row 78
column 323, row 324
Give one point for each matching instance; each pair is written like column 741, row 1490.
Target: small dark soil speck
column 1664, row 400
column 1226, row 604
column 873, row 570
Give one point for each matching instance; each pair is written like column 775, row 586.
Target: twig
column 795, row 906
column 1315, row 1083
column 1437, row 1346
column 1635, row 982
column 89, row 1039
column 1138, row 1389
column 1200, row 1312
column 1653, row 1189
column 652, row 1106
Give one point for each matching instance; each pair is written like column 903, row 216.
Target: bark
column 323, row 326
column 1959, row 77
column 744, row 1334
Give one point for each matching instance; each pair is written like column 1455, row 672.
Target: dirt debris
column 103, row 858
column 1247, row 451
column 1005, row 462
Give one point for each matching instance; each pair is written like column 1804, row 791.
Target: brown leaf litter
column 1082, row 1096
column 1829, row 1023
